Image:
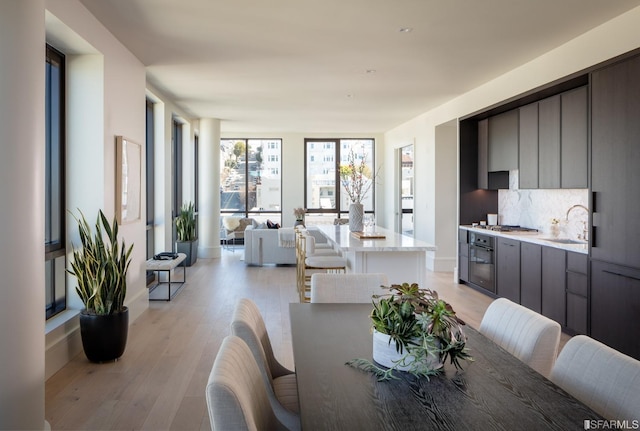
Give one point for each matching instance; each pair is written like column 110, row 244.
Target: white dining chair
column 601, row 377
column 347, row 288
column 248, row 324
column 527, row 335
column 236, row 395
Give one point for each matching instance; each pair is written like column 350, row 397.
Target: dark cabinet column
column 615, row 177
column 531, row 276
column 508, row 269
column 549, row 143
column 577, row 291
column 574, row 150
column 483, row 154
column 528, row 155
column 463, row 254
column 554, row 267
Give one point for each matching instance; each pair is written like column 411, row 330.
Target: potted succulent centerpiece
column 100, row 268
column 413, row 331
column 186, row 230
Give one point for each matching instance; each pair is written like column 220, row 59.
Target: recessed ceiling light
column 350, row 96
column 371, row 71
column 406, row 30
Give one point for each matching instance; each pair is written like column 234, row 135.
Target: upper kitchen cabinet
column 574, row 139
column 549, row 143
column 503, row 142
column 615, row 176
column 528, row 147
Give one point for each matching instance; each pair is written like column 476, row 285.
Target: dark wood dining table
column 495, row 391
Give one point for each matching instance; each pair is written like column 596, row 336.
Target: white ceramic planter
column 384, row 353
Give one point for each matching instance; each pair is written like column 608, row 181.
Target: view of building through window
column 325, row 198
column 251, row 178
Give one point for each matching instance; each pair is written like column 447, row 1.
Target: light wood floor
column 159, row 382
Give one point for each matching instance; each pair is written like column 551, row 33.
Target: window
column 176, row 172
column 55, row 239
column 150, row 175
column 323, row 192
column 250, row 180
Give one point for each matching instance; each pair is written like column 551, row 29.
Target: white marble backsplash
column 537, row 208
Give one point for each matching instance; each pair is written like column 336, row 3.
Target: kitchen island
column 400, row 257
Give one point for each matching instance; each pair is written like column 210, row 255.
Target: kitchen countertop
column 532, row 237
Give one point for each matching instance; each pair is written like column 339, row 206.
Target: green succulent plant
column 420, row 324
column 100, row 266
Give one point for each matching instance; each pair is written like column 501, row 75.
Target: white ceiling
column 301, row 65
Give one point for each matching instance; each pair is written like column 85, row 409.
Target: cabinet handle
column 594, row 204
column 594, row 236
column 621, row 275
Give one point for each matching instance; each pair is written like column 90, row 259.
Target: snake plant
column 100, row 266
column 186, row 223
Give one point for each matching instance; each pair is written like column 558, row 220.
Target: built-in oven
column 482, row 271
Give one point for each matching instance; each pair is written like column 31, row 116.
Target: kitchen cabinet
column 528, row 154
column 554, row 268
column 615, row 305
column 549, row 143
column 531, row 276
column 463, row 254
column 577, row 292
column 503, row 142
column 508, row 269
column 574, row 139
column 615, row 176
column 483, row 154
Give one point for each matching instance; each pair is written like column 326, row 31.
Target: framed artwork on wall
column 128, row 180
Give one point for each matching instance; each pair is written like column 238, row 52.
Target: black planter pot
column 104, row 337
column 190, row 248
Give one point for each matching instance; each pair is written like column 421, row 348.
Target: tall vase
column 356, row 216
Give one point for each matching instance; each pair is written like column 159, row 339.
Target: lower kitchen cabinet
column 554, row 268
column 577, row 288
column 508, row 269
column 615, row 306
column 531, row 276
column 463, row 255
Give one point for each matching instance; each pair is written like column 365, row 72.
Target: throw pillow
column 231, row 223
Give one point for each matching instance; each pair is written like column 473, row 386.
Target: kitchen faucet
column 584, row 224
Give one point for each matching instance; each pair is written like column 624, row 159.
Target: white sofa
column 261, row 246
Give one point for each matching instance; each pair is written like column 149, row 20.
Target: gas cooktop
column 508, row 228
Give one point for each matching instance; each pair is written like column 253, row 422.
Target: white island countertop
column 342, row 238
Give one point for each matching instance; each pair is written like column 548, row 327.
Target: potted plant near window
column 299, row 214
column 186, row 229
column 413, row 331
column 100, row 267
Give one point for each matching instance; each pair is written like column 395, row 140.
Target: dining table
column 494, row 391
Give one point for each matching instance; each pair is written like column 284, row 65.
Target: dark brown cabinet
column 483, row 154
column 508, row 269
column 549, row 143
column 463, row 254
column 528, row 155
column 615, row 306
column 503, row 142
column 577, row 292
column 554, row 269
column 615, row 177
column 574, row 140
column 531, row 276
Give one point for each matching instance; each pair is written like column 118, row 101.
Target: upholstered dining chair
column 527, row 335
column 236, row 395
column 601, row 377
column 347, row 288
column 282, row 387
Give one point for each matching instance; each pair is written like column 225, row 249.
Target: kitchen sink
column 564, row 240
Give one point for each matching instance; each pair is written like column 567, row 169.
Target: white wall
column 613, row 38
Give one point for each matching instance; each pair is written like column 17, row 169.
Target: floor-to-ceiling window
column 325, row 198
column 176, row 173
column 150, row 176
column 55, row 241
column 251, row 178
